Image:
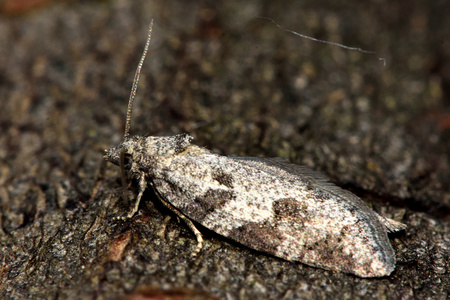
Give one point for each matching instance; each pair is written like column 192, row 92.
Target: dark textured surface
column 240, row 86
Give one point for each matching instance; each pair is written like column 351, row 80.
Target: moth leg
column 194, row 229
column 142, row 187
column 189, row 223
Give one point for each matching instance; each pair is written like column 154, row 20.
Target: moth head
column 140, row 151
column 114, row 155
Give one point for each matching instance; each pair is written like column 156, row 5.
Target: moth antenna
column 135, row 82
column 326, row 42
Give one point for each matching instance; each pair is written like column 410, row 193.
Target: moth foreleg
column 142, row 187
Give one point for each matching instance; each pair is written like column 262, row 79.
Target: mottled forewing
column 280, row 208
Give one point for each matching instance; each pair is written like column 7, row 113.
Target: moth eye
column 125, row 159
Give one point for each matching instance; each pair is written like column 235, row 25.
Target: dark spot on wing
column 289, row 209
column 260, row 236
column 223, row 178
column 329, row 251
column 207, row 203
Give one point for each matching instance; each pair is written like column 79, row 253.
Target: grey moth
column 267, row 204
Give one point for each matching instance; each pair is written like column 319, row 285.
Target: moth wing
column 300, row 171
column 378, row 258
column 284, row 209
column 304, row 174
column 322, row 182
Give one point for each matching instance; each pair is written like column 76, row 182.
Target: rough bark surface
column 240, row 86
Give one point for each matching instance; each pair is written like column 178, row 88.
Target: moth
column 267, row 204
